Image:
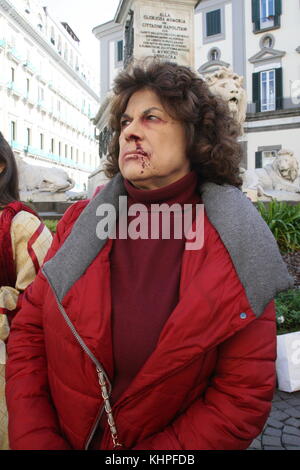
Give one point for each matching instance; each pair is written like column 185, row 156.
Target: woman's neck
column 181, row 191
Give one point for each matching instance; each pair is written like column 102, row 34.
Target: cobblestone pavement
column 282, row 430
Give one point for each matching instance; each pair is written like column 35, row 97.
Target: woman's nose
column 133, row 131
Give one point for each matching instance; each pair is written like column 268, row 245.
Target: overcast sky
column 82, row 17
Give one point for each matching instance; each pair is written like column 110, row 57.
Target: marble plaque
column 164, row 31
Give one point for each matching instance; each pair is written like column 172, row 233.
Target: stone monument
column 164, row 29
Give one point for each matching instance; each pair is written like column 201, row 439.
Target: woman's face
column 152, row 143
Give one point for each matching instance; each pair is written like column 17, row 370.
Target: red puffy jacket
column 208, row 384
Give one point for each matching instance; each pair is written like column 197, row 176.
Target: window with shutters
column 28, row 136
column 258, row 159
column 268, row 98
column 268, row 90
column 119, row 51
column 13, row 130
column 266, row 14
column 213, row 23
column 266, row 155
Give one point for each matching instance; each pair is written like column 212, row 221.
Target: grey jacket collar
column 246, row 236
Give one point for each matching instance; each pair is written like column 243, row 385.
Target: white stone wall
column 225, row 45
column 287, row 38
column 59, row 105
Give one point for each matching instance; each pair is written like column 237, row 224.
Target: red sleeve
column 33, row 424
column 238, row 401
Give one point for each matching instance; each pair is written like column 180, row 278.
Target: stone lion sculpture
column 278, row 180
column 34, row 178
column 229, row 86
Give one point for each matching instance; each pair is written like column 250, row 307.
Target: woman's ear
column 2, row 167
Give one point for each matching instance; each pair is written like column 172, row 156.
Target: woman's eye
column 124, row 123
column 151, row 117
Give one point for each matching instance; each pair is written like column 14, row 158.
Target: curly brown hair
column 211, row 132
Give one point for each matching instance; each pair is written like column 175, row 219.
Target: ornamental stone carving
column 229, row 86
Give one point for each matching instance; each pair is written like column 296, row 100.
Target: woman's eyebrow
column 147, row 111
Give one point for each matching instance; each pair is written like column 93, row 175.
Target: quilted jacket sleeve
column 33, row 424
column 237, row 403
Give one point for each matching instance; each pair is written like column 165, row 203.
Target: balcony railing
column 15, row 55
column 30, row 98
column 35, row 151
column 42, row 78
column 14, row 89
column 16, row 145
column 41, row 104
column 30, row 67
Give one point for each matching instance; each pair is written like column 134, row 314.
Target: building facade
column 258, row 39
column 47, row 93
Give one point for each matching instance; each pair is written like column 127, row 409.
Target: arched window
column 267, row 41
column 214, row 54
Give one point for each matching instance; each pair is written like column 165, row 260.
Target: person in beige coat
column 24, row 242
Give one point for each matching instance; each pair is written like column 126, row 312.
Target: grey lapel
column 250, row 243
column 82, row 245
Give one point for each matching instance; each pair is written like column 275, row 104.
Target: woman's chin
column 135, row 173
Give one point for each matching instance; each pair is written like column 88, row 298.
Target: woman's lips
column 131, row 156
column 135, row 155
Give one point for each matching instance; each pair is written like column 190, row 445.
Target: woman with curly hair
column 134, row 341
column 24, row 242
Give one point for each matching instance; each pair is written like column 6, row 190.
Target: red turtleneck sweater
column 145, row 276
